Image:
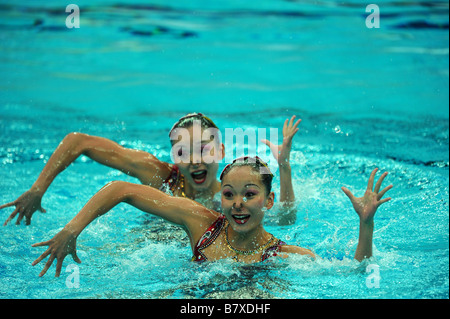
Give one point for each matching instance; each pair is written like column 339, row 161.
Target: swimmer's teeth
column 241, row 216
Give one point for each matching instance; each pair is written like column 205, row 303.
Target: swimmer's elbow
column 307, row 252
column 287, row 216
column 118, row 190
column 290, row 249
column 287, row 220
column 76, row 140
column 310, row 254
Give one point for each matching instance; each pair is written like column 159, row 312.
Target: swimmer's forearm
column 287, row 196
column 67, row 151
column 364, row 248
column 286, row 189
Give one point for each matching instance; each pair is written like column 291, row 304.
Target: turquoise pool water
column 368, row 98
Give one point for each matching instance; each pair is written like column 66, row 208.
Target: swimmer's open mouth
column 241, row 219
column 199, row 177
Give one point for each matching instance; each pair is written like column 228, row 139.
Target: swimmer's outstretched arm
column 142, row 165
column 366, row 207
column 190, row 215
column 282, row 154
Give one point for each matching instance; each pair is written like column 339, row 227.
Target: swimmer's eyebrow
column 252, row 185
column 244, row 186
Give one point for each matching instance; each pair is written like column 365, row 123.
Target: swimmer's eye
column 227, row 194
column 250, row 194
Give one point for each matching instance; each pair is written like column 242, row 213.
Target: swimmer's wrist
column 38, row 189
column 72, row 229
column 368, row 224
column 284, row 165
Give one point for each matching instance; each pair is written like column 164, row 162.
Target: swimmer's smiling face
column 198, row 157
column 245, row 198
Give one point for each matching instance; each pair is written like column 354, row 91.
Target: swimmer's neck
column 250, row 240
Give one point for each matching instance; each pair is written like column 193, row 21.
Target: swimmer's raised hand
column 282, row 152
column 26, row 205
column 367, row 205
column 62, row 244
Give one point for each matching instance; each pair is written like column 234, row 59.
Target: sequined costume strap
column 173, row 181
column 272, row 250
column 208, row 238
